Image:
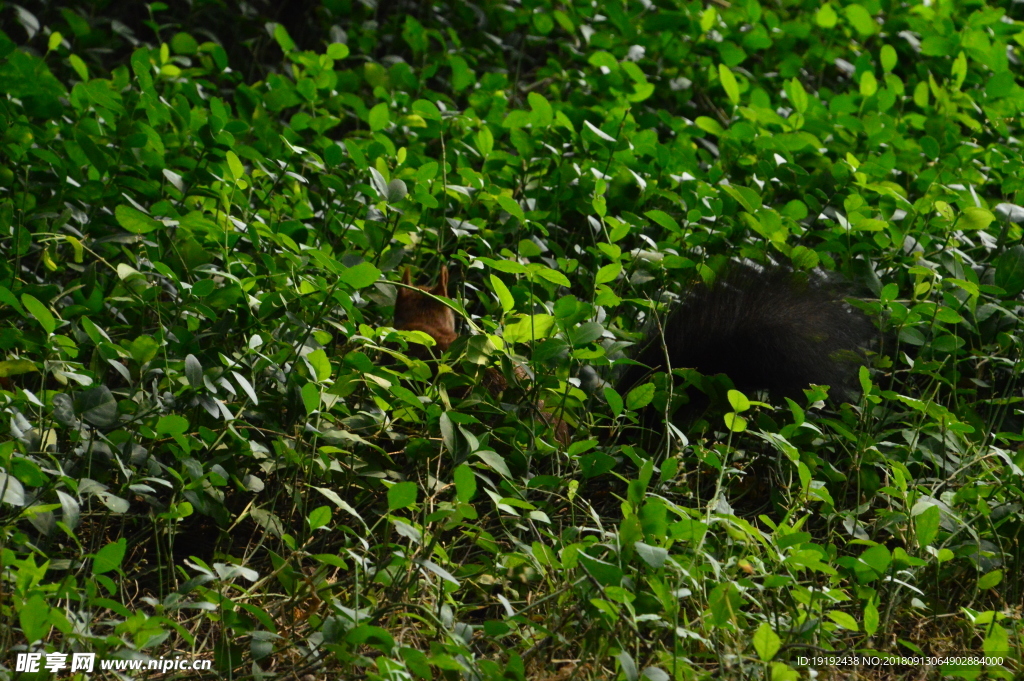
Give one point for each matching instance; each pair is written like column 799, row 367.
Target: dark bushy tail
column 767, row 329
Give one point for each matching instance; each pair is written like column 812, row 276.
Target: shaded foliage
column 216, row 443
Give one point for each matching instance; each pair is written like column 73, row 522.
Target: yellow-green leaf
column 826, row 17
column 237, row 170
column 529, row 328
column 504, row 295
column 608, row 273
column 40, row 312
column 729, row 84
column 14, row 367
column 766, row 642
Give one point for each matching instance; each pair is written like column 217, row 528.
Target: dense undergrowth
column 215, row 446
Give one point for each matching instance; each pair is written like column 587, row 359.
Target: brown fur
column 416, row 312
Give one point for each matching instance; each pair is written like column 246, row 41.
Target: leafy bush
column 218, row 445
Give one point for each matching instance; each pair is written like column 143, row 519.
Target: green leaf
column 598, row 132
column 35, row 617
column 542, row 112
column 465, row 483
column 826, row 16
column 379, row 182
column 320, row 364
column 543, row 22
column 504, row 295
column 871, row 618
column 990, row 580
column 79, row 66
column 172, row 424
column 283, row 39
column 462, row 75
column 708, row 18
column 360, row 276
column 609, row 272
column 748, row 198
column 797, row 94
column 655, row 556
column 529, row 328
column 311, row 398
column 135, row 221
column 510, row 206
column 975, row 217
column 926, row 524
column 495, row 461
column 585, row 333
column 237, row 170
column 8, row 298
column 877, row 558
column 734, row 422
column 843, row 619
column 959, row 70
column 868, row 84
column 183, row 43
column 1010, row 270
column 438, row 570
column 319, row 517
column 15, row 367
column 887, row 57
column 507, row 266
column 337, row 51
column 402, row 495
column 484, row 141
column 766, row 642
column 426, row 109
column 614, row 401
column 601, row 58
column 109, row 557
column 246, row 387
column 193, row 371
column 640, row 396
column 356, row 154
column 607, row 574
column 415, row 35
column 332, row 496
column 379, row 117
column 861, row 20
column 39, row 312
column 709, row 125
column 729, row 84
column 664, row 219
column 738, row 401
column 1000, row 85
column 395, row 191
column 554, row 276
column 143, row 349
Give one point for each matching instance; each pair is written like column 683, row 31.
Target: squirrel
column 767, row 328
column 417, row 312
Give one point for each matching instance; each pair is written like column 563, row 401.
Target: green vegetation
column 215, row 446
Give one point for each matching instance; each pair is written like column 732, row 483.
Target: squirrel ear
column 402, row 294
column 442, row 283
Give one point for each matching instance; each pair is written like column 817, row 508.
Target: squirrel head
column 416, row 312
